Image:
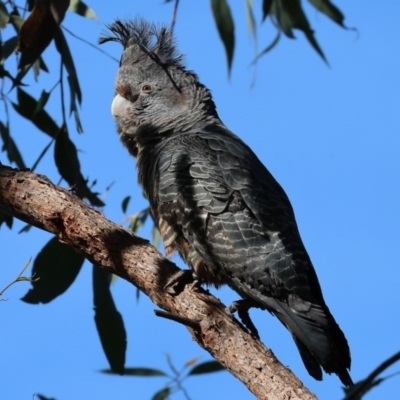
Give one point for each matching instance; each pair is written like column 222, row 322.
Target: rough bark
column 35, row 200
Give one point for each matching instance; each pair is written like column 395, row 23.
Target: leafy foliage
column 57, row 265
column 175, row 377
column 285, row 15
column 109, row 323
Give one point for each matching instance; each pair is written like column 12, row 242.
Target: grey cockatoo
column 213, row 200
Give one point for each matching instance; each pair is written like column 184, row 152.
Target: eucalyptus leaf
column 109, row 322
column 57, row 265
column 225, row 25
column 4, row 15
column 206, row 368
column 162, row 394
column 9, row 146
column 145, row 372
column 80, row 8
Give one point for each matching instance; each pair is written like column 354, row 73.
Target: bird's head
column 154, row 94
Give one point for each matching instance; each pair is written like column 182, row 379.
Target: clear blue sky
column 330, row 135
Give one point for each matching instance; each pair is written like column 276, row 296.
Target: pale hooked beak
column 119, row 106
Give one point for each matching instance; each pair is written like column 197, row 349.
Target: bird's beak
column 119, row 107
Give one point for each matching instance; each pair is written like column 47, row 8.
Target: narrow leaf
column 162, row 394
column 293, row 13
column 68, row 61
column 138, row 220
column 41, row 397
column 41, row 155
column 109, row 323
column 9, row 146
column 42, row 120
column 224, row 21
column 147, row 372
column 4, row 15
column 16, row 21
column 330, row 10
column 57, row 265
column 156, row 237
column 266, row 7
column 206, row 367
column 68, row 165
column 192, row 361
column 251, row 22
column 8, row 48
column 44, row 97
column 25, row 229
column 80, row 8
column 282, row 19
column 6, row 218
column 125, row 203
column 268, row 48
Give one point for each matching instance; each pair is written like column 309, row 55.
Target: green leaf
column 147, row 372
column 109, row 322
column 68, row 61
column 206, row 368
column 138, row 220
column 251, row 22
column 162, row 394
column 57, row 265
column 266, row 6
column 68, row 165
column 155, row 234
column 290, row 15
column 125, row 203
column 73, row 81
column 41, row 155
column 282, row 18
column 80, row 8
column 4, row 16
column 268, row 48
column 330, row 10
column 6, row 218
column 41, row 397
column 73, row 106
column 44, row 97
column 8, row 48
column 42, row 120
column 9, row 146
column 226, row 29
column 26, row 228
column 4, row 73
column 16, row 21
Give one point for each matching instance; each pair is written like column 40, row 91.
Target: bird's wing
column 214, row 192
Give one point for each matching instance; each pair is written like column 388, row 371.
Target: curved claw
column 182, row 277
column 242, row 307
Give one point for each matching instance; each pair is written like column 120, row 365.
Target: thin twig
column 20, row 278
column 174, row 13
column 62, row 92
column 360, row 389
column 182, row 320
column 90, row 44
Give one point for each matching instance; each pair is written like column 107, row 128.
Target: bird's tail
column 318, row 337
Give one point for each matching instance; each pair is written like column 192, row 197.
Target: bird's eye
column 146, row 88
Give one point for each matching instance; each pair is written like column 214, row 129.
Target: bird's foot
column 242, row 307
column 182, row 278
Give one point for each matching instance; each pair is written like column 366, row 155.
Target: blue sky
column 330, row 136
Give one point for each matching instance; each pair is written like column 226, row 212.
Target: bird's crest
column 155, row 41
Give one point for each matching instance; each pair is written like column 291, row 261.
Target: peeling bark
column 35, row 200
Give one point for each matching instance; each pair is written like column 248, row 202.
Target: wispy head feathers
column 157, row 42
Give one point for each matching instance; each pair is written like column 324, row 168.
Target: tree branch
column 35, row 200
